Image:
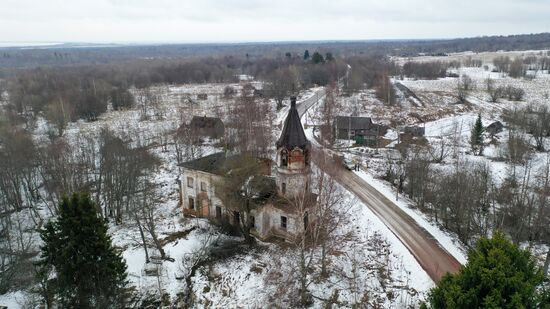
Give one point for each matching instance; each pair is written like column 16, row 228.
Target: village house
column 280, row 216
column 411, row 132
column 494, row 128
column 212, row 127
column 360, row 129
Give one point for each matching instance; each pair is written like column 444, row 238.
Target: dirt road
column 433, row 258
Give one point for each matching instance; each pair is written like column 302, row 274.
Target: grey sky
column 265, row 20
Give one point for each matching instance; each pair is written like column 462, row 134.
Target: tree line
column 65, row 94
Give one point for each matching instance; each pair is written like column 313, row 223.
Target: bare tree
column 280, row 84
column 120, row 169
column 502, row 63
column 146, row 217
column 330, row 109
column 517, row 148
column 250, row 125
column 59, row 113
column 517, row 68
column 331, row 210
column 187, row 143
column 63, row 170
column 539, row 125
column 322, row 214
column 440, row 149
column 418, row 176
column 243, row 190
column 192, row 262
column 465, row 85
column 19, row 177
column 228, row 92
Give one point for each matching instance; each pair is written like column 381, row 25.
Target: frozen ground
column 380, row 265
column 445, row 119
column 486, row 57
column 257, row 279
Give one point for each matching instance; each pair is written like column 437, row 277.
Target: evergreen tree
column 476, row 137
column 88, row 272
column 306, row 55
column 317, row 58
column 498, row 275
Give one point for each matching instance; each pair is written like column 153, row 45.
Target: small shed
column 212, row 127
column 494, row 128
column 415, row 131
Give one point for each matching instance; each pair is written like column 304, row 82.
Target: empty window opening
column 236, row 217
column 284, row 158
column 283, row 222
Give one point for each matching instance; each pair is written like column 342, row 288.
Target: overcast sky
column 265, row 20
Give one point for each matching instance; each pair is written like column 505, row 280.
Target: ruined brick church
column 285, row 214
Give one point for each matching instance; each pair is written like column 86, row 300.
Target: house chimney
column 292, row 102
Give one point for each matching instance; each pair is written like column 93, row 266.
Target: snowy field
column 445, row 119
column 369, row 262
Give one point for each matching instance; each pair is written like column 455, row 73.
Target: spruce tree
column 306, row 55
column 88, row 272
column 317, row 58
column 476, row 137
column 498, row 275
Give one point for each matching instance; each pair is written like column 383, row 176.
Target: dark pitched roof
column 206, row 126
column 206, row 122
column 496, row 124
column 293, row 133
column 414, row 130
column 494, row 128
column 218, row 163
column 211, row 164
column 355, row 123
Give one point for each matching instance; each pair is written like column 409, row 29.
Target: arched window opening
column 284, row 158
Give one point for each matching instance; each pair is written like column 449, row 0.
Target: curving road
column 433, row 258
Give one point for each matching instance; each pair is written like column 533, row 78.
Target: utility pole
column 349, row 128
column 396, row 183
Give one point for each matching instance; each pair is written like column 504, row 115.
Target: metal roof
column 293, row 133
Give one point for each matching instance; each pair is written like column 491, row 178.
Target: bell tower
column 293, row 156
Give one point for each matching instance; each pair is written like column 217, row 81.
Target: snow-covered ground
column 444, row 119
column 378, row 263
column 16, row 299
column 259, row 277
